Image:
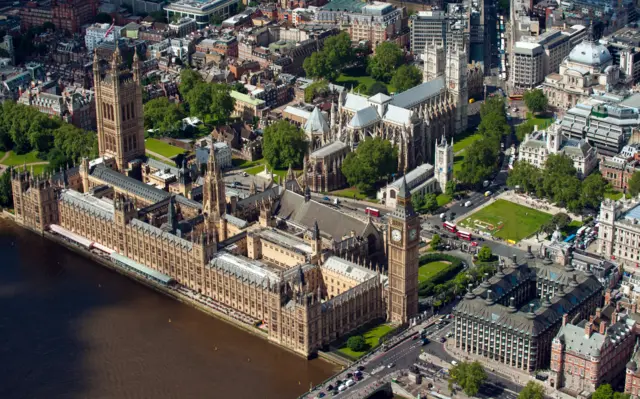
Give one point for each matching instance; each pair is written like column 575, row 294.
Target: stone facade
column 619, row 232
column 119, row 111
column 499, row 321
column 322, row 170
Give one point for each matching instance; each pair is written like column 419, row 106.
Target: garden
column 163, row 149
column 364, row 341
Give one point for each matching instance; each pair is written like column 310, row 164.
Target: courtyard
column 506, row 220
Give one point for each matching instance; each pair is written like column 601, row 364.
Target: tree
column 164, row 116
column 406, row 77
column 468, row 376
column 430, row 202
column 526, row 176
column 284, row 145
column 535, row 100
column 6, row 196
column 605, row 391
column 417, row 201
column 532, row 390
column 436, row 240
column 319, row 87
column 593, row 189
column 480, row 162
column 386, row 59
column 493, row 105
column 103, row 18
column 523, row 129
column 561, row 220
column 238, row 86
column 376, row 88
column 211, row 102
column 356, row 343
column 318, row 66
column 485, row 254
column 188, row 80
column 374, row 159
column 450, row 188
column 634, row 184
column 494, row 126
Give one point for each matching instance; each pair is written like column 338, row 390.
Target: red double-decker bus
column 450, row 226
column 372, row 211
column 464, row 235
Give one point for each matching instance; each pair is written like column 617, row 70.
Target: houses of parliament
column 303, row 271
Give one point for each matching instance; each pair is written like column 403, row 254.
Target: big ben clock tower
column 403, row 238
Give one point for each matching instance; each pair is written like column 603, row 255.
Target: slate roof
column 355, row 102
column 348, row 269
column 575, row 339
column 293, row 207
column 236, row 221
column 89, row 203
column 546, row 312
column 160, row 233
column 129, row 184
column 328, row 149
column 397, row 115
column 418, row 94
column 272, row 192
column 252, row 270
column 316, row 122
column 364, row 117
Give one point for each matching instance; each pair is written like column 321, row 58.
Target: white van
column 467, row 204
column 350, row 383
column 443, row 216
column 342, row 388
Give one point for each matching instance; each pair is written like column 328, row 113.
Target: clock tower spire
column 403, row 239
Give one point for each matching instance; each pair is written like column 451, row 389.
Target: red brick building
column 66, row 15
column 592, row 352
column 70, row 15
column 618, row 173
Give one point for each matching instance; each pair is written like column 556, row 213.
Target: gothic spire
column 404, row 191
column 212, row 164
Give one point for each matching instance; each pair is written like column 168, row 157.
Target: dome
column 590, row 53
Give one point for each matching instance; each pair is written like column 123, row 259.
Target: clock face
column 396, row 235
column 413, row 233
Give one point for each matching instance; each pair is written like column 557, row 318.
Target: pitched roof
column 328, row 149
column 418, row 94
column 293, row 207
column 316, row 122
column 364, row 117
column 129, row 184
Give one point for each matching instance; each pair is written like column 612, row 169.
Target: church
column 411, row 120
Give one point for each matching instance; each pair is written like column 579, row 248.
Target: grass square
column 162, row 148
column 507, row 220
column 371, row 336
column 428, row 270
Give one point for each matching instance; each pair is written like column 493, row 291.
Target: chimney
column 565, row 318
column 603, row 327
column 591, row 318
column 587, row 330
column 598, row 313
column 614, row 317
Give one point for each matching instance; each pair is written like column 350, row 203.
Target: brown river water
column 70, row 328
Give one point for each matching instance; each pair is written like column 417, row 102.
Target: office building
column 98, row 33
column 619, row 232
column 527, row 70
column 439, row 27
column 201, row 11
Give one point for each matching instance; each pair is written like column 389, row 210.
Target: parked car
column 443, row 340
column 350, row 383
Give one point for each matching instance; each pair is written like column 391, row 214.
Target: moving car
column 391, row 365
column 467, row 204
column 454, row 362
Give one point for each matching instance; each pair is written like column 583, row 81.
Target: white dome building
column 588, row 69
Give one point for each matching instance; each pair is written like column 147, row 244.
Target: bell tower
column 213, row 190
column 456, row 82
column 119, row 115
column 434, row 61
column 403, row 238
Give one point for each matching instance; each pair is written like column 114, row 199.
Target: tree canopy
column 6, row 196
column 376, row 88
column 634, row 184
column 468, row 376
column 316, row 88
column 485, row 254
column 385, row 60
column 532, row 390
column 604, row 391
column 406, row 77
column 374, row 159
column 211, row 102
column 535, row 100
column 284, row 145
column 163, row 116
column 480, row 161
column 335, row 55
column 593, row 189
column 357, row 343
column 436, row 240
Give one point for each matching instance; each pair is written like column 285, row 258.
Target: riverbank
column 167, row 291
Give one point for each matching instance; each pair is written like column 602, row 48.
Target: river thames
column 70, row 328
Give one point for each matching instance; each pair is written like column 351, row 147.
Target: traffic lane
column 348, row 204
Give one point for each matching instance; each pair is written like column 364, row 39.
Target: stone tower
column 434, row 61
column 443, row 168
column 456, row 83
column 213, row 190
column 403, row 237
column 35, row 199
column 119, row 115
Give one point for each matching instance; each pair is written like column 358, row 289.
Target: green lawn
column 464, row 140
column 162, row 148
column 15, row 159
column 428, row 270
column 371, row 336
column 38, row 169
column 254, row 170
column 457, row 163
column 350, row 192
column 352, row 77
column 615, row 195
column 542, row 121
column 507, row 220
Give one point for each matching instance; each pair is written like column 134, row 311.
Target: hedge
column 426, row 287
